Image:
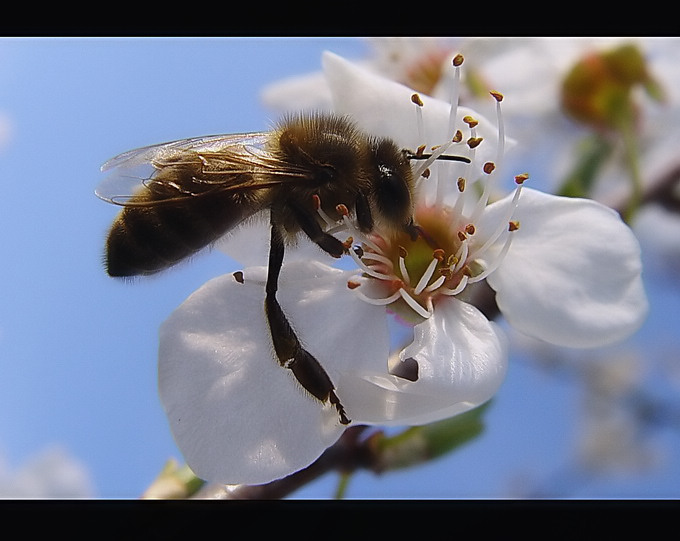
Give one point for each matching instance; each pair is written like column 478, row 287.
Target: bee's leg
column 364, row 215
column 413, row 230
column 366, row 223
column 289, row 351
column 309, row 224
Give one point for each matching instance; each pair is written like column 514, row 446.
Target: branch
column 347, row 455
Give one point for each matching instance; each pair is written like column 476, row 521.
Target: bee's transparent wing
column 132, row 170
column 207, row 143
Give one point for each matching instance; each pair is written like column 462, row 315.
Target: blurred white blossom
column 659, row 232
column 51, row 473
column 612, row 435
column 6, row 130
column 532, row 71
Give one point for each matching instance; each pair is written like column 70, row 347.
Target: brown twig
column 348, row 454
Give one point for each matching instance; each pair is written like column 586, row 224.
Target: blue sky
column 78, row 349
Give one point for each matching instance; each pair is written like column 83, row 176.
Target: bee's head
column 393, row 183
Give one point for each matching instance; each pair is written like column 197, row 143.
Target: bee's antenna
column 422, row 156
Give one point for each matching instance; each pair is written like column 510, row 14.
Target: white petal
column 235, row 413
column 572, row 276
column 305, row 92
column 249, row 244
column 461, row 360
column 383, row 108
column 342, row 331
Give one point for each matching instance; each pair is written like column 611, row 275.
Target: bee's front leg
column 364, row 214
column 310, row 226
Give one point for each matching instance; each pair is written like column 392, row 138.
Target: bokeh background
column 79, row 410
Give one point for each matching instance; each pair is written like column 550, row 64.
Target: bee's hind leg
column 289, row 351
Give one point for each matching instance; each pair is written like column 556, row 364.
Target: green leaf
column 420, row 444
column 591, row 155
column 174, row 481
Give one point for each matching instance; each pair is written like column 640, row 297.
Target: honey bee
column 182, row 196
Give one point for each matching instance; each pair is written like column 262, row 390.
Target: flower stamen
column 436, row 152
column 461, row 256
column 460, row 287
column 461, row 252
column 378, row 301
column 436, row 284
column 489, row 168
column 402, row 266
column 500, row 151
column 499, row 231
column 369, row 270
column 377, row 257
column 325, row 217
column 414, row 304
column 425, row 278
column 455, row 91
column 499, row 258
column 348, row 225
column 415, row 98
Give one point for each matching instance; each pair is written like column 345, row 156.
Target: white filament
column 502, row 226
column 461, row 255
column 501, row 135
column 419, row 123
column 425, row 278
column 404, row 272
column 437, row 283
column 429, row 161
column 460, row 287
column 368, row 270
column 379, row 302
column 453, row 99
column 496, row 262
column 377, row 257
column 414, row 304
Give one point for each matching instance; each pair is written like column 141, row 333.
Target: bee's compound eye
column 392, row 189
column 393, row 195
column 327, row 173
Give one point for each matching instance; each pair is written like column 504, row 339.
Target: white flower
column 573, row 273
column 51, row 473
column 570, row 274
column 416, row 62
column 614, row 430
column 659, row 231
column 531, row 70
